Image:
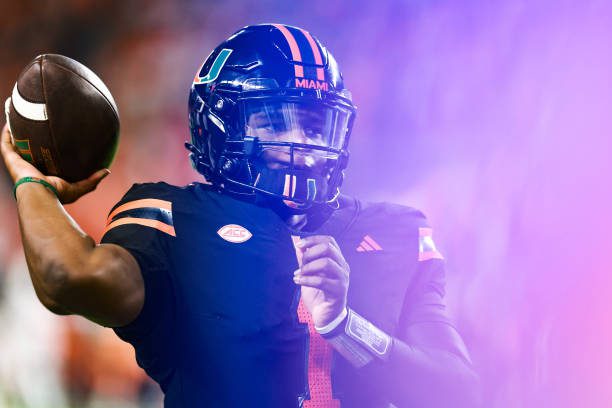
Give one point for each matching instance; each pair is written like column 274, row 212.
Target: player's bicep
column 110, row 289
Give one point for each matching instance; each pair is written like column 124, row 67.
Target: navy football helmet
column 270, row 118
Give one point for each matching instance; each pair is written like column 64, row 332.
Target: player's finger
column 90, row 183
column 312, row 240
column 99, row 175
column 323, row 250
column 72, row 192
column 323, row 267
column 5, row 131
column 319, row 282
column 6, row 143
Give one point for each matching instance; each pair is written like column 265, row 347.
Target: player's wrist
column 358, row 340
column 330, row 326
column 32, row 181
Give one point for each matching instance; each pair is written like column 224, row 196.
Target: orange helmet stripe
column 295, row 49
column 316, row 53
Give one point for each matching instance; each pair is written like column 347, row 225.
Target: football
column 62, row 118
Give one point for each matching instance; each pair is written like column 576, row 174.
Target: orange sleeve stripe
column 158, row 225
column 144, row 203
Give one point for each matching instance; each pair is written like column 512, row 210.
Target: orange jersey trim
column 158, row 225
column 144, row 203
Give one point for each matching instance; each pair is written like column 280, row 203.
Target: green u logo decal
column 215, row 69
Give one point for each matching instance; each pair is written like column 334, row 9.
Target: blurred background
column 492, row 117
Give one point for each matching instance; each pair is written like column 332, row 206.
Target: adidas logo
column 368, row 244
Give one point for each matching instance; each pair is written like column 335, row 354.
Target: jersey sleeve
column 426, row 349
column 424, row 317
column 424, row 301
column 142, row 224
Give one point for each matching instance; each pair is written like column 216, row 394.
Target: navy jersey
column 222, row 325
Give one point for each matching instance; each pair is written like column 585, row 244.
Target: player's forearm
column 406, row 375
column 418, row 376
column 56, row 249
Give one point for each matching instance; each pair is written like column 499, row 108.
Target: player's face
column 295, row 123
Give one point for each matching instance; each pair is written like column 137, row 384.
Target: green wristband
column 34, row 180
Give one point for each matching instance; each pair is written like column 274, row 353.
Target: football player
column 235, row 292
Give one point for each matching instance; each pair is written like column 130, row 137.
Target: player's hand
column 19, row 168
column 324, row 278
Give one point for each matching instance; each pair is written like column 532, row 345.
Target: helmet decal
column 296, row 55
column 312, row 189
column 316, row 53
column 215, row 69
column 289, row 188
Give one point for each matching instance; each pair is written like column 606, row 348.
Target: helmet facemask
column 295, row 150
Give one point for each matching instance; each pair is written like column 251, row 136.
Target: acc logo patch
column 234, row 233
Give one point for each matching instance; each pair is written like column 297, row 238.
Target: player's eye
column 314, row 133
